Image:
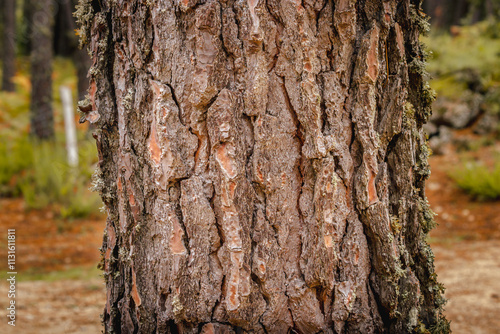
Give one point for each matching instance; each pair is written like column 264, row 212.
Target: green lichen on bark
column 420, row 19
column 408, row 115
column 422, row 167
column 84, row 15
column 427, row 215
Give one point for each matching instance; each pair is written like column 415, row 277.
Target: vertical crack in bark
column 299, row 133
column 277, row 282
column 185, row 236
column 299, row 137
column 174, row 97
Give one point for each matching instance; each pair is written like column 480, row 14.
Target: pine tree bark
column 42, row 118
column 263, row 166
column 9, row 44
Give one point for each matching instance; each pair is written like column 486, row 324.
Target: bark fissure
column 273, row 190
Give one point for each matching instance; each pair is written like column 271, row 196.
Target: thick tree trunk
column 263, row 166
column 42, row 119
column 9, row 44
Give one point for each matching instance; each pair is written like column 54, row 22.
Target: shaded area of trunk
column 9, row 44
column 42, row 118
column 263, row 165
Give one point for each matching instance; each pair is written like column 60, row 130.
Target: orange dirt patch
column 45, row 243
column 458, row 216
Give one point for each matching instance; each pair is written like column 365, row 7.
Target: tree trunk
column 25, row 28
column 70, row 45
column 42, row 119
column 263, row 166
column 9, row 45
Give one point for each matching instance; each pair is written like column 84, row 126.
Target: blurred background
column 45, row 178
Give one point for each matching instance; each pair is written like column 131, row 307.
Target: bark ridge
column 263, row 166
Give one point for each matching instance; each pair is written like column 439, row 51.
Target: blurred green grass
column 76, row 273
column 479, row 180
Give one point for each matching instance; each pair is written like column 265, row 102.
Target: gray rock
column 430, row 128
column 457, row 114
column 486, row 124
column 439, row 143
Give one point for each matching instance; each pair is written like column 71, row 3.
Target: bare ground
column 466, row 245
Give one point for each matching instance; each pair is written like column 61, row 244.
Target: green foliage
column 467, row 63
column 475, row 47
column 39, row 171
column 50, row 180
column 478, row 180
column 15, row 159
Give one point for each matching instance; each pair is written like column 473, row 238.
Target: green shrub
column 16, row 156
column 478, row 180
column 51, row 181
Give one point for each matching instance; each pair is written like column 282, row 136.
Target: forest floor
column 466, row 245
column 60, row 290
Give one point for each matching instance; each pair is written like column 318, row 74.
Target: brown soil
column 47, row 243
column 466, row 245
column 458, row 216
column 59, row 307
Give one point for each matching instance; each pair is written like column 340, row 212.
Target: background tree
column 263, row 166
column 66, row 43
column 42, row 118
column 25, row 28
column 445, row 13
column 9, row 44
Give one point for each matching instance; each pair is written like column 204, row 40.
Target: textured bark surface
column 262, row 164
column 9, row 44
column 42, row 115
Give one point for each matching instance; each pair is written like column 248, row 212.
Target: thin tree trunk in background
column 462, row 8
column 490, row 9
column 25, row 28
column 42, row 118
column 81, row 60
column 79, row 56
column 263, row 166
column 445, row 13
column 9, row 45
column 62, row 41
